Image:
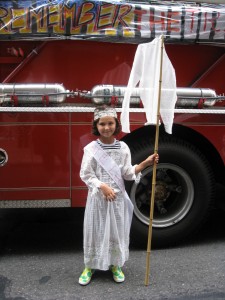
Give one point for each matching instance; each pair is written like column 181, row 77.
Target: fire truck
column 60, row 59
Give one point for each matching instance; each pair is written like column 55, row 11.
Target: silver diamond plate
column 35, row 203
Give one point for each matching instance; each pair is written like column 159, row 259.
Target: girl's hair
column 95, row 129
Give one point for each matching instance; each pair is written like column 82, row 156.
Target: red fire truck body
column 41, row 142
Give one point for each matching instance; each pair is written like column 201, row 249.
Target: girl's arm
column 88, row 171
column 132, row 172
column 147, row 162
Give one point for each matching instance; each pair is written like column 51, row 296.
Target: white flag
column 146, row 72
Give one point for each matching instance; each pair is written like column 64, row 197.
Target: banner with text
column 116, row 21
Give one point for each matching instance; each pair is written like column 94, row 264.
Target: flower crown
column 104, row 112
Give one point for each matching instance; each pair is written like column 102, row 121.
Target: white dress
column 106, row 224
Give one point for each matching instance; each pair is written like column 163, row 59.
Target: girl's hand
column 151, row 159
column 108, row 192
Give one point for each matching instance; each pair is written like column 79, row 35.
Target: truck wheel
column 183, row 193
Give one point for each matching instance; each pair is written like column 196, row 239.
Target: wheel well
column 147, row 133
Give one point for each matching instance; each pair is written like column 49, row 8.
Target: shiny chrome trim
column 3, row 157
column 32, row 93
column 35, row 203
column 186, row 97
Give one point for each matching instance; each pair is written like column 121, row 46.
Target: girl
column 108, row 213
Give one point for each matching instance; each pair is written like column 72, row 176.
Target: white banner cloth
column 146, row 72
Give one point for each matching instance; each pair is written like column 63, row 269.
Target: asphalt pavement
column 41, row 258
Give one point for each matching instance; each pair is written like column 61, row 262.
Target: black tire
column 184, row 192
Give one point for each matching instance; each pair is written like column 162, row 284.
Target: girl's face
column 106, row 127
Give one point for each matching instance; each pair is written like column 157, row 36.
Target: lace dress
column 106, row 224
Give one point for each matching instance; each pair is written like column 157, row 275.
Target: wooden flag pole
column 154, row 172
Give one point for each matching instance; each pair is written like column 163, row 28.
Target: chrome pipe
column 32, row 92
column 103, row 94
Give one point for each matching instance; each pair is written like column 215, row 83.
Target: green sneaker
column 85, row 277
column 118, row 275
